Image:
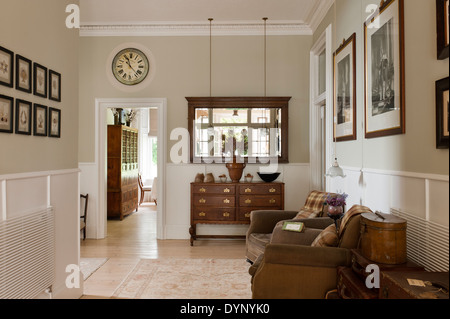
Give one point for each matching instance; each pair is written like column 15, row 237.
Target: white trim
column 319, row 13
column 100, row 146
column 39, row 174
column 435, row 177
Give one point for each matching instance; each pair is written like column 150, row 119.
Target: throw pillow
column 307, row 213
column 327, row 238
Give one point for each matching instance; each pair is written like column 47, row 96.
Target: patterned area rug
column 187, row 279
column 89, row 265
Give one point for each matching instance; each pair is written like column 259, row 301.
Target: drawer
column 219, row 201
column 214, row 214
column 214, row 189
column 260, row 189
column 260, row 201
column 244, row 212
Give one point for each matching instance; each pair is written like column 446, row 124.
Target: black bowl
column 268, row 178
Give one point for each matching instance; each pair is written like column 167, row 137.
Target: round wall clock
column 130, row 66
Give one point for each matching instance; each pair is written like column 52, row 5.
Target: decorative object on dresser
column 268, row 177
column 123, row 171
column 231, row 203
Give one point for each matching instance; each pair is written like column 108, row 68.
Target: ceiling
column 152, row 15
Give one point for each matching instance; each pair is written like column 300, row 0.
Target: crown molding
column 198, row 28
column 318, row 13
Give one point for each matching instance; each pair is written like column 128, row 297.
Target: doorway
column 102, row 106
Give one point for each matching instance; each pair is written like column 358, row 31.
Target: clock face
column 130, row 66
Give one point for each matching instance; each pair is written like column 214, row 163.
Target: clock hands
column 129, row 64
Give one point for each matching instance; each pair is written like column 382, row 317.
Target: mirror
column 253, row 128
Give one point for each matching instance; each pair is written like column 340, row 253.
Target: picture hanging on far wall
column 23, row 74
column 6, row 67
column 40, row 80
column 23, row 117
column 442, row 19
column 6, row 114
column 55, row 86
column 40, row 120
column 345, row 90
column 384, row 66
column 442, row 113
column 54, row 122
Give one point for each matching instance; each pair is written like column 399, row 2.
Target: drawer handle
column 226, row 214
column 202, row 201
column 226, row 190
column 272, row 190
column 202, row 190
column 226, row 201
column 272, row 201
column 202, row 214
column 248, row 201
column 247, row 215
column 248, row 190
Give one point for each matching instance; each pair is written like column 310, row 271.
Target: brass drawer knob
column 226, row 190
column 226, row 214
column 247, row 215
column 272, row 190
column 202, row 190
column 248, row 190
column 248, row 201
column 272, row 201
column 202, row 214
column 202, row 201
column 226, row 201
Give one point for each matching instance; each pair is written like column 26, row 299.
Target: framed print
column 40, row 120
column 442, row 18
column 6, row 67
column 55, row 86
column 6, row 114
column 442, row 113
column 344, row 65
column 23, row 117
column 54, row 122
column 23, row 74
column 384, row 66
column 39, row 80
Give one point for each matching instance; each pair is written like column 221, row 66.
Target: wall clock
column 130, row 66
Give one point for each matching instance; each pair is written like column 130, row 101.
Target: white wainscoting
column 89, row 185
column 25, row 192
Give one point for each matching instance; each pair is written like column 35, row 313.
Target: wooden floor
column 134, row 238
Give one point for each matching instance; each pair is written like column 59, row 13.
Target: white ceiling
column 300, row 13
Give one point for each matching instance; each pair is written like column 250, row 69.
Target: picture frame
column 24, row 114
column 40, row 120
column 6, row 114
column 384, row 69
column 54, row 122
column 442, row 113
column 344, row 90
column 442, row 24
column 6, row 67
column 23, row 74
column 54, row 84
column 40, row 80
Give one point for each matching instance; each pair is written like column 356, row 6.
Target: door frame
column 101, row 105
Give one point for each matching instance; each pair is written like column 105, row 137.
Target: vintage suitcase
column 383, row 238
column 395, row 285
column 350, row 286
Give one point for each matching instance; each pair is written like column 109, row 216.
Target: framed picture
column 6, row 114
column 23, row 117
column 442, row 18
column 384, row 65
column 40, row 120
column 39, row 80
column 55, row 86
column 345, row 90
column 442, row 113
column 54, row 122
column 6, row 67
column 23, row 74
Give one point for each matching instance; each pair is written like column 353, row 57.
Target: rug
column 89, row 265
column 187, row 279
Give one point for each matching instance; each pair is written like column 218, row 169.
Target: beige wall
column 414, row 151
column 37, row 31
column 182, row 69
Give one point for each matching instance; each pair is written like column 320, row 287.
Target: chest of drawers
column 231, row 203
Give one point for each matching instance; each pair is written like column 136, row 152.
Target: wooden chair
column 143, row 189
column 84, row 216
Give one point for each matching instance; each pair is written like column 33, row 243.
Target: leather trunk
column 350, row 286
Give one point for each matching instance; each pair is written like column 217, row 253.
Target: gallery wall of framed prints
column 34, row 114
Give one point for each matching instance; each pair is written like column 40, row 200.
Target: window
column 253, row 128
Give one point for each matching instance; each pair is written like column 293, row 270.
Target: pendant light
column 210, row 127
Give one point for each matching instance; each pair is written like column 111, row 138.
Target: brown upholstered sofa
column 304, row 266
column 263, row 223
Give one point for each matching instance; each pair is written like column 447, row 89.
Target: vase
column 335, row 210
column 235, row 170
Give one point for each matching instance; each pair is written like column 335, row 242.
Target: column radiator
column 426, row 241
column 27, row 254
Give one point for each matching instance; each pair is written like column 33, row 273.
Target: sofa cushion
column 307, row 213
column 327, row 238
column 281, row 236
column 257, row 243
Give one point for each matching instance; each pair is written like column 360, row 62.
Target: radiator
column 27, row 255
column 426, row 242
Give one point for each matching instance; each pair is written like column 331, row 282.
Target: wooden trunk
column 350, row 286
column 383, row 238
